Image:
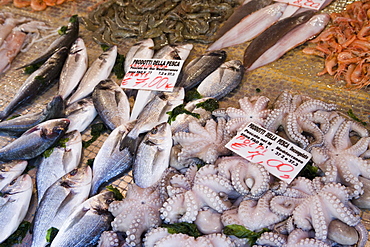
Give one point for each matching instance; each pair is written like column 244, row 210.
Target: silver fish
column 63, row 41
column 250, row 26
column 292, row 39
column 59, row 201
column 86, row 223
column 14, row 203
column 35, row 141
column 74, row 68
column 99, row 70
column 10, row 171
column 174, row 52
column 81, row 114
column 111, row 103
column 110, row 162
column 142, row 49
column 153, row 156
column 154, row 113
column 37, row 81
column 181, row 123
column 223, row 80
column 16, row 126
column 61, row 161
column 199, row 68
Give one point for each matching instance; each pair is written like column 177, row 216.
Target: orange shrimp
column 38, row 5
column 50, row 2
column 3, row 2
column 60, row 1
column 21, row 3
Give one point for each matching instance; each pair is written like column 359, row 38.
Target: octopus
column 252, row 109
column 248, row 178
column 253, row 214
column 206, row 143
column 160, row 237
column 195, row 191
column 304, row 120
column 341, row 156
column 345, row 46
column 313, row 205
column 137, row 213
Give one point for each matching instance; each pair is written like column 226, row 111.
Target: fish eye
column 73, row 172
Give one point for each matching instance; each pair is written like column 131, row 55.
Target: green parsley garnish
column 242, row 232
column 183, row 227
column 96, row 130
column 117, row 194
column 51, row 233
column 180, row 109
column 354, row 117
column 18, row 235
column 208, row 105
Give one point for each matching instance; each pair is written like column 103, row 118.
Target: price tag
column 310, row 4
column 280, row 157
column 152, row 74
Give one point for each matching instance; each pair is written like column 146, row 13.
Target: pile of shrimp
column 37, row 5
column 345, row 45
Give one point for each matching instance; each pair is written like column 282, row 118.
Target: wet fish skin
column 17, row 126
column 199, row 68
column 223, row 80
column 111, row 103
column 250, row 26
column 273, row 34
column 35, row 141
column 60, row 162
column 10, row 48
column 59, row 201
column 81, row 113
column 99, row 70
column 142, row 49
column 154, row 113
column 14, row 203
column 37, row 81
column 62, row 41
column 153, row 156
column 86, row 223
column 174, row 52
column 110, row 162
column 74, row 68
column 294, row 38
column 10, row 171
column 239, row 13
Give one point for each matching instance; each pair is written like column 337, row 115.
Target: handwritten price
column 311, row 4
column 156, row 83
column 257, row 153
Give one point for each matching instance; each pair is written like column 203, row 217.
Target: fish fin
column 130, row 143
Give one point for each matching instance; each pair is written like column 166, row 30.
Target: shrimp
column 3, row 2
column 38, row 5
column 50, row 2
column 21, row 3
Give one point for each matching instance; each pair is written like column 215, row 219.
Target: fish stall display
column 253, row 144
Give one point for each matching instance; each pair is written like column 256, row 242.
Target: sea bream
column 174, row 52
column 14, row 203
column 142, row 49
column 17, row 126
column 59, row 201
column 63, row 159
column 38, row 81
column 223, row 80
column 250, row 26
column 153, row 156
column 199, row 68
column 35, row 141
column 99, row 70
column 74, row 68
column 154, row 113
column 110, row 162
column 80, row 114
column 10, row 171
column 86, row 223
column 111, row 103
column 64, row 40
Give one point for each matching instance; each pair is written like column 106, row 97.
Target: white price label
column 311, row 4
column 152, row 74
column 280, row 157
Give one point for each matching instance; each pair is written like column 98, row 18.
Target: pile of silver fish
column 71, row 196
